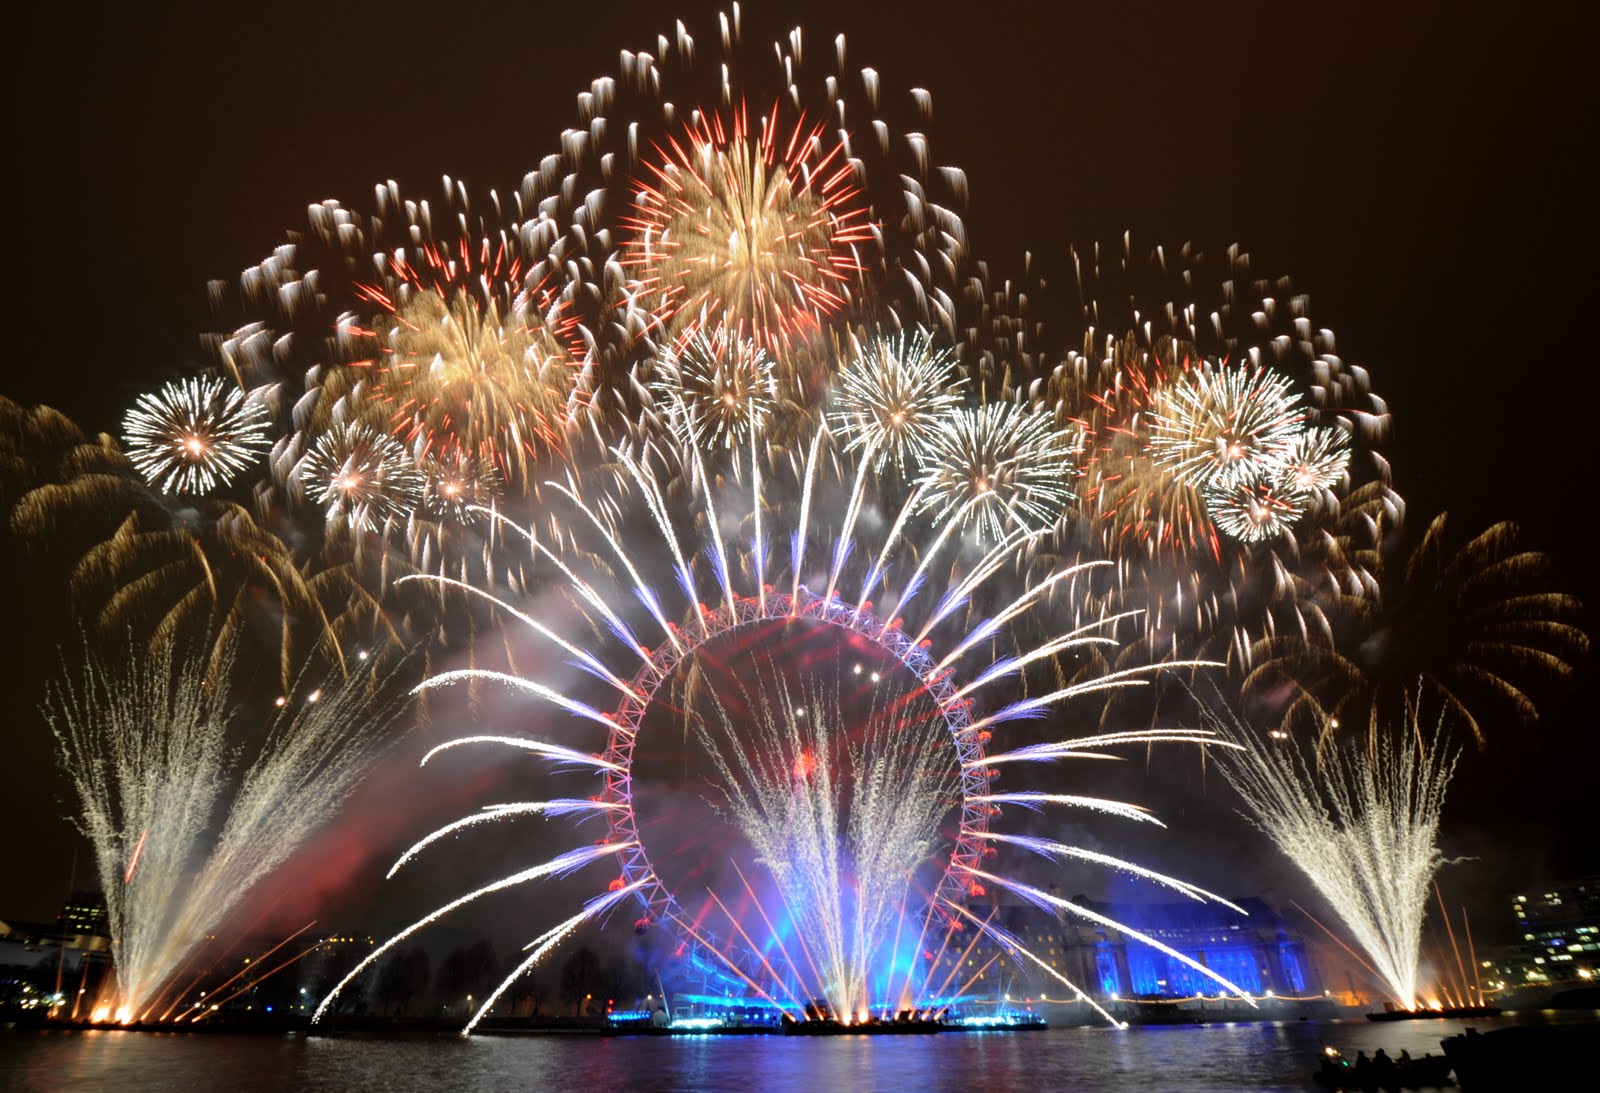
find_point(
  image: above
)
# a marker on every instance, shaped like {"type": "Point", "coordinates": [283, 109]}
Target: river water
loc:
{"type": "Point", "coordinates": [1244, 1056]}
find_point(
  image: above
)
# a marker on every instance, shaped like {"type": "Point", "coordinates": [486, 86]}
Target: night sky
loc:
{"type": "Point", "coordinates": [1420, 172]}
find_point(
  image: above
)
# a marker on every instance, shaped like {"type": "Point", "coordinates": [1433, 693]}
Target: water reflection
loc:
{"type": "Point", "coordinates": [1264, 1056]}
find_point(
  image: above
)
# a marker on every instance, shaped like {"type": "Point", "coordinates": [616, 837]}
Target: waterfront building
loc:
{"type": "Point", "coordinates": [1260, 951]}
{"type": "Point", "coordinates": [1559, 927]}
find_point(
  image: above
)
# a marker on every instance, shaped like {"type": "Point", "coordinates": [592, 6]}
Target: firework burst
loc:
{"type": "Point", "coordinates": [458, 488]}
{"type": "Point", "coordinates": [1475, 627]}
{"type": "Point", "coordinates": [1219, 424]}
{"type": "Point", "coordinates": [756, 227]}
{"type": "Point", "coordinates": [718, 386]}
{"type": "Point", "coordinates": [462, 360]}
{"type": "Point", "coordinates": [893, 397]}
{"type": "Point", "coordinates": [1253, 510]}
{"type": "Point", "coordinates": [363, 478]}
{"type": "Point", "coordinates": [194, 435]}
{"type": "Point", "coordinates": [998, 467]}
{"type": "Point", "coordinates": [1316, 459]}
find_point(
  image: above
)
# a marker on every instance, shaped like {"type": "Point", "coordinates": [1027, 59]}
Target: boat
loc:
{"type": "Point", "coordinates": [1015, 1021]}
{"type": "Point", "coordinates": [820, 1022]}
{"type": "Point", "coordinates": [1395, 1014]}
{"type": "Point", "coordinates": [1524, 1056]}
{"type": "Point", "coordinates": [1382, 1072]}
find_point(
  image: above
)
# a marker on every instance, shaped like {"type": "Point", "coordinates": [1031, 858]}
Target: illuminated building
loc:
{"type": "Point", "coordinates": [1560, 930]}
{"type": "Point", "coordinates": [1260, 951]}
{"type": "Point", "coordinates": [83, 916]}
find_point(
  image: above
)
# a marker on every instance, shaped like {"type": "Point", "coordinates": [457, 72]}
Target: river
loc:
{"type": "Point", "coordinates": [1241, 1056]}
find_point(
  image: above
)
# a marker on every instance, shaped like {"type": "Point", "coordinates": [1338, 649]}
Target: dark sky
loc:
{"type": "Point", "coordinates": [1419, 169]}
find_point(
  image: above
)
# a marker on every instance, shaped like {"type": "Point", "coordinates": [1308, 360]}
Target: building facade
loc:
{"type": "Point", "coordinates": [1257, 951]}
{"type": "Point", "coordinates": [1559, 928]}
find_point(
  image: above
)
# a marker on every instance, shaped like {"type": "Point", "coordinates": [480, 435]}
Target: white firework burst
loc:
{"type": "Point", "coordinates": [719, 387]}
{"type": "Point", "coordinates": [1256, 509]}
{"type": "Point", "coordinates": [1316, 459]}
{"type": "Point", "coordinates": [892, 397]}
{"type": "Point", "coordinates": [194, 435]}
{"type": "Point", "coordinates": [457, 487]}
{"type": "Point", "coordinates": [1218, 425]}
{"type": "Point", "coordinates": [363, 477]}
{"type": "Point", "coordinates": [998, 467]}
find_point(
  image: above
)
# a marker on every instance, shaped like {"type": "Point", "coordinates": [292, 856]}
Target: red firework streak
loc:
{"type": "Point", "coordinates": [133, 862]}
{"type": "Point", "coordinates": [747, 228]}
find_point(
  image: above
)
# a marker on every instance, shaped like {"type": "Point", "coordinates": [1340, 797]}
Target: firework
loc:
{"type": "Point", "coordinates": [1221, 424]}
{"type": "Point", "coordinates": [1316, 459]}
{"type": "Point", "coordinates": [457, 488]}
{"type": "Point", "coordinates": [363, 478]}
{"type": "Point", "coordinates": [1255, 509]}
{"type": "Point", "coordinates": [842, 808]}
{"type": "Point", "coordinates": [841, 826]}
{"type": "Point", "coordinates": [1202, 591]}
{"type": "Point", "coordinates": [215, 570]}
{"type": "Point", "coordinates": [999, 467]}
{"type": "Point", "coordinates": [892, 398]}
{"type": "Point", "coordinates": [1478, 626]}
{"type": "Point", "coordinates": [463, 362]}
{"type": "Point", "coordinates": [147, 745]}
{"type": "Point", "coordinates": [194, 435]}
{"type": "Point", "coordinates": [756, 227]}
{"type": "Point", "coordinates": [1362, 828]}
{"type": "Point", "coordinates": [720, 385]}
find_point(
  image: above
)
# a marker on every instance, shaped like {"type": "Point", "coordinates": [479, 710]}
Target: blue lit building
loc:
{"type": "Point", "coordinates": [1259, 951]}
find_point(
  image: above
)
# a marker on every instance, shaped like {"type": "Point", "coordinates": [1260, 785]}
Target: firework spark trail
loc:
{"type": "Point", "coordinates": [649, 599]}
{"type": "Point", "coordinates": [1049, 848]}
{"type": "Point", "coordinates": [1046, 901]}
{"type": "Point", "coordinates": [463, 675]}
{"type": "Point", "coordinates": [541, 748]}
{"type": "Point", "coordinates": [1083, 746]}
{"type": "Point", "coordinates": [989, 627]}
{"type": "Point", "coordinates": [547, 941]}
{"type": "Point", "coordinates": [1127, 677]}
{"type": "Point", "coordinates": [1015, 946]}
{"type": "Point", "coordinates": [194, 435]}
{"type": "Point", "coordinates": [495, 813]}
{"type": "Point", "coordinates": [755, 947]}
{"type": "Point", "coordinates": [960, 594]}
{"type": "Point", "coordinates": [584, 659]}
{"type": "Point", "coordinates": [1032, 799]}
{"type": "Point", "coordinates": [145, 744]}
{"type": "Point", "coordinates": [559, 866]}
{"type": "Point", "coordinates": [1362, 828]}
